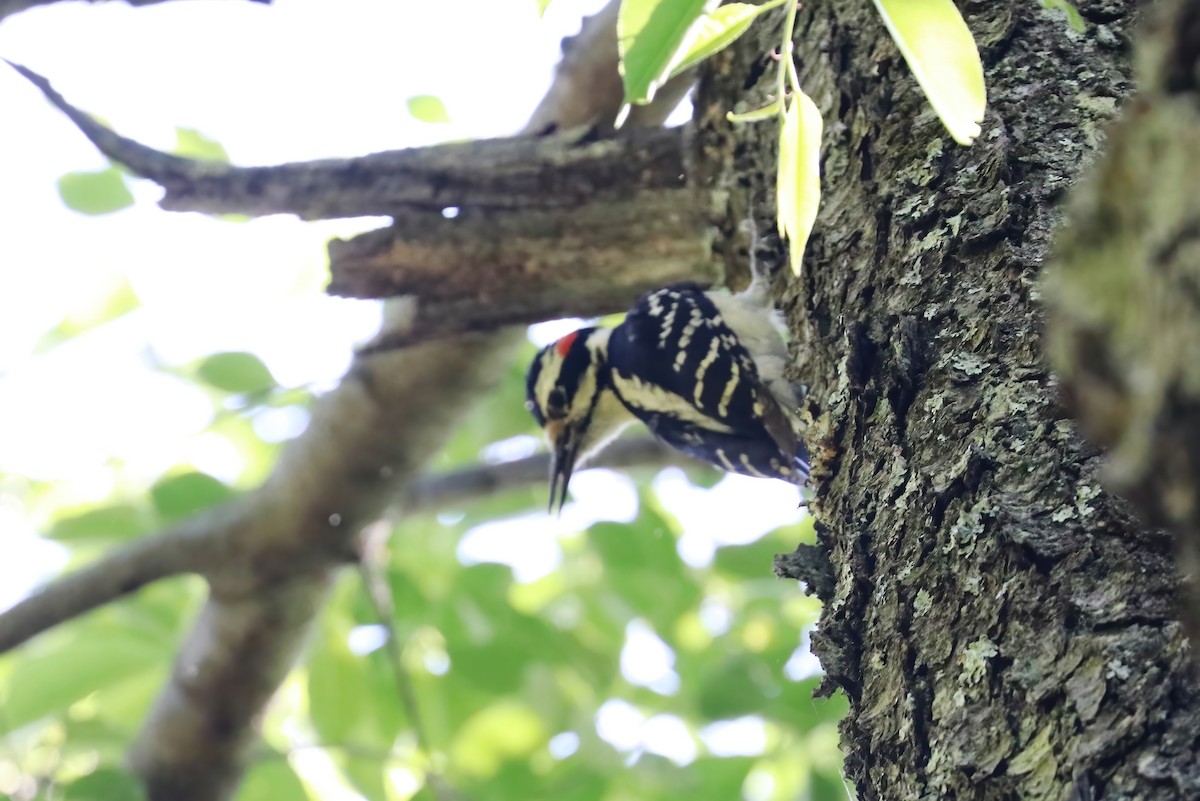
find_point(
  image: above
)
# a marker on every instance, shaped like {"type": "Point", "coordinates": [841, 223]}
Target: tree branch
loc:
{"type": "Point", "coordinates": [548, 227]}
{"type": "Point", "coordinates": [517, 173]}
{"type": "Point", "coordinates": [365, 440]}
{"type": "Point", "coordinates": [196, 545]}
{"type": "Point", "coordinates": [497, 269]}
{"type": "Point", "coordinates": [188, 547]}
{"type": "Point", "coordinates": [10, 7]}
{"type": "Point", "coordinates": [440, 491]}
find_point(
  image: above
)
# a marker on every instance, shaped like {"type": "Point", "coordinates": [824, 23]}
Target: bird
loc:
{"type": "Point", "coordinates": [704, 371]}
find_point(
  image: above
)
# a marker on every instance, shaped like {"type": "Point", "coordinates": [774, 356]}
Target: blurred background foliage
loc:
{"type": "Point", "coordinates": [592, 658]}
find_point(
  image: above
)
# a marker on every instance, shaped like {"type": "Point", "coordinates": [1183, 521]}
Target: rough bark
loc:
{"type": "Point", "coordinates": [1002, 625]}
{"type": "Point", "coordinates": [1125, 323]}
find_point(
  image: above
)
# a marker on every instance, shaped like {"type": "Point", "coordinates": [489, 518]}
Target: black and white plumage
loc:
{"type": "Point", "coordinates": [679, 363]}
{"type": "Point", "coordinates": [703, 371]}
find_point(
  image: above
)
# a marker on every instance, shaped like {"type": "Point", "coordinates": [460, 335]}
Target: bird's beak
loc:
{"type": "Point", "coordinates": [562, 463]}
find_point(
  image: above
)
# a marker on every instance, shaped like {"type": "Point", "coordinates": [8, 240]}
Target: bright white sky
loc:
{"type": "Point", "coordinates": [301, 79]}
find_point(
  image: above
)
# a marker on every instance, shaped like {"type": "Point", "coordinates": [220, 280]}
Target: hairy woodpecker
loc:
{"type": "Point", "coordinates": [703, 371]}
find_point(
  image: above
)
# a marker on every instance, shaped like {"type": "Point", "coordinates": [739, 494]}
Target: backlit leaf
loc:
{"type": "Point", "coordinates": [106, 524]}
{"type": "Point", "coordinates": [369, 776]}
{"type": "Point", "coordinates": [798, 181]}
{"type": "Point", "coordinates": [766, 112]}
{"type": "Point", "coordinates": [192, 144]}
{"type": "Point", "coordinates": [271, 780]}
{"type": "Point", "coordinates": [236, 371]}
{"type": "Point", "coordinates": [650, 35]}
{"type": "Point", "coordinates": [91, 313]}
{"type": "Point", "coordinates": [48, 679]}
{"type": "Point", "coordinates": [428, 108]}
{"type": "Point", "coordinates": [185, 494]}
{"type": "Point", "coordinates": [104, 784]}
{"type": "Point", "coordinates": [94, 193]}
{"type": "Point", "coordinates": [503, 731]}
{"type": "Point", "coordinates": [1074, 18]}
{"type": "Point", "coordinates": [716, 30]}
{"type": "Point", "coordinates": [337, 687]}
{"type": "Point", "coordinates": [943, 57]}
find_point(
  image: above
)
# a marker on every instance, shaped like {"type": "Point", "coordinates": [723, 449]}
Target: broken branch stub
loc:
{"type": "Point", "coordinates": [548, 226]}
{"type": "Point", "coordinates": [483, 270]}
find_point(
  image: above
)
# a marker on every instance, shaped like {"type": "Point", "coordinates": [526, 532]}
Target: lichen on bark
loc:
{"type": "Point", "coordinates": [1002, 625]}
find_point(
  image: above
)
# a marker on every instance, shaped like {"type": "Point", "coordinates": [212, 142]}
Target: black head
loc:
{"type": "Point", "coordinates": [561, 390]}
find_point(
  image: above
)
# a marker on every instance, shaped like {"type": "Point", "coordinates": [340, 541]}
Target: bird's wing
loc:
{"type": "Point", "coordinates": [681, 370]}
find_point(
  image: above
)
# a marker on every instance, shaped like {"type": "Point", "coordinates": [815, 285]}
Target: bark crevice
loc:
{"type": "Point", "coordinates": [1003, 625]}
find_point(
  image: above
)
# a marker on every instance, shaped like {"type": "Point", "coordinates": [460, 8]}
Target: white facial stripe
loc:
{"type": "Point", "coordinates": [582, 402]}
{"type": "Point", "coordinates": [589, 385]}
{"type": "Point", "coordinates": [551, 368]}
{"type": "Point", "coordinates": [652, 398]}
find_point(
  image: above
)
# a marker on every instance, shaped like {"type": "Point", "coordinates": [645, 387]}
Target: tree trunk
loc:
{"type": "Point", "coordinates": [1002, 625]}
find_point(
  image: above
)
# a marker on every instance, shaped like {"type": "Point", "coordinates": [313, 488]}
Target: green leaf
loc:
{"type": "Point", "coordinates": [740, 684]}
{"type": "Point", "coordinates": [746, 562]}
{"type": "Point", "coordinates": [713, 777]}
{"type": "Point", "coordinates": [943, 57]}
{"type": "Point", "coordinates": [542, 5]}
{"type": "Point", "coordinates": [718, 29]}
{"type": "Point", "coordinates": [272, 780]}
{"type": "Point", "coordinates": [642, 567]}
{"type": "Point", "coordinates": [52, 677]}
{"type": "Point", "coordinates": [428, 108]}
{"type": "Point", "coordinates": [768, 111]}
{"type": "Point", "coordinates": [192, 144]}
{"type": "Point", "coordinates": [106, 524]}
{"type": "Point", "coordinates": [1074, 18]}
{"type": "Point", "coordinates": [337, 688]}
{"type": "Point", "coordinates": [798, 181]}
{"type": "Point", "coordinates": [505, 730]}
{"type": "Point", "coordinates": [827, 786]}
{"type": "Point", "coordinates": [105, 784]}
{"type": "Point", "coordinates": [236, 371]}
{"type": "Point", "coordinates": [368, 776]}
{"type": "Point", "coordinates": [94, 193]}
{"type": "Point", "coordinates": [90, 314]}
{"type": "Point", "coordinates": [181, 495]}
{"type": "Point", "coordinates": [650, 35]}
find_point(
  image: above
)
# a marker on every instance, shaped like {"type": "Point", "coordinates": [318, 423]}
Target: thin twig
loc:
{"type": "Point", "coordinates": [379, 594]}
{"type": "Point", "coordinates": [9, 7]}
{"type": "Point", "coordinates": [443, 490]}
{"type": "Point", "coordinates": [194, 544]}
{"type": "Point", "coordinates": [186, 547]}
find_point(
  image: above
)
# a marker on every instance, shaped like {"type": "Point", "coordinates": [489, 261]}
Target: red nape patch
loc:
{"type": "Point", "coordinates": [563, 345]}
